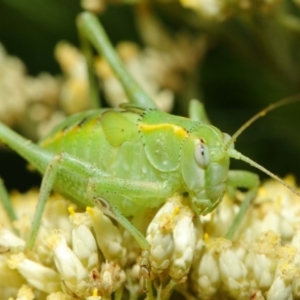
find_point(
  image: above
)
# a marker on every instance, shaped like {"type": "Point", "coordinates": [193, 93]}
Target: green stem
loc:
{"type": "Point", "coordinates": [87, 51]}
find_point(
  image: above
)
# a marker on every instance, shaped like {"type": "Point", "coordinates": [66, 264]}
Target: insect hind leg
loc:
{"type": "Point", "coordinates": [45, 190]}
{"type": "Point", "coordinates": [7, 205]}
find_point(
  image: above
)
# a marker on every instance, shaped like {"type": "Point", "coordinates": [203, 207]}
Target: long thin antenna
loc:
{"type": "Point", "coordinates": [237, 155]}
{"type": "Point", "coordinates": [288, 100]}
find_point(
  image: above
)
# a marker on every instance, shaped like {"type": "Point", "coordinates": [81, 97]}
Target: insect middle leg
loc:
{"type": "Point", "coordinates": [86, 184]}
{"type": "Point", "coordinates": [7, 205]}
{"type": "Point", "coordinates": [45, 190]}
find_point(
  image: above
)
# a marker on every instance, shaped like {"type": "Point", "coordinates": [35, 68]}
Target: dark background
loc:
{"type": "Point", "coordinates": [249, 65]}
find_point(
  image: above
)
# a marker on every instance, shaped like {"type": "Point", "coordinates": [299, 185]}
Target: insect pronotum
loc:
{"type": "Point", "coordinates": [130, 159]}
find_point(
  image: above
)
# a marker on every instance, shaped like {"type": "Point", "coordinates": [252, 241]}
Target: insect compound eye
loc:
{"type": "Point", "coordinates": [202, 154]}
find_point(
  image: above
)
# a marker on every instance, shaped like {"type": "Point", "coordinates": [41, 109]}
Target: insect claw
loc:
{"type": "Point", "coordinates": [201, 206]}
{"type": "Point", "coordinates": [145, 264]}
{"type": "Point", "coordinates": [145, 272]}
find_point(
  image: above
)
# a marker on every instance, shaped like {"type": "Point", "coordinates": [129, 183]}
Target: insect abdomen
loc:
{"type": "Point", "coordinates": [109, 140]}
{"type": "Point", "coordinates": [96, 137]}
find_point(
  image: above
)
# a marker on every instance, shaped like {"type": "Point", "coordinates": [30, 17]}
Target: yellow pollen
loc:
{"type": "Point", "coordinates": [279, 200]}
{"type": "Point", "coordinates": [95, 292]}
{"type": "Point", "coordinates": [290, 179]}
{"type": "Point", "coordinates": [71, 210]}
{"type": "Point", "coordinates": [176, 211]}
{"type": "Point", "coordinates": [262, 191]}
{"type": "Point", "coordinates": [89, 210]}
{"type": "Point", "coordinates": [206, 237]}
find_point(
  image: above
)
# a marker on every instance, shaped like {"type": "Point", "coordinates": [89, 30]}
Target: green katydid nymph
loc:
{"type": "Point", "coordinates": [133, 158]}
{"type": "Point", "coordinates": [130, 159]}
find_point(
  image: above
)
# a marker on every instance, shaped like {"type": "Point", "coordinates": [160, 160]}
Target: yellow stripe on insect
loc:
{"type": "Point", "coordinates": [179, 131]}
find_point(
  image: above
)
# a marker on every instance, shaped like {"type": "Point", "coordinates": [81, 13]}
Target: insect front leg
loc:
{"type": "Point", "coordinates": [45, 190]}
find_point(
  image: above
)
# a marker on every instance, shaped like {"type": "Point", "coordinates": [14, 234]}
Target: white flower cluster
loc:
{"type": "Point", "coordinates": [208, 10]}
{"type": "Point", "coordinates": [263, 261]}
{"type": "Point", "coordinates": [172, 236]}
{"type": "Point", "coordinates": [43, 101]}
{"type": "Point", "coordinates": [25, 100]}
{"type": "Point", "coordinates": [142, 70]}
{"type": "Point", "coordinates": [221, 10]}
{"type": "Point", "coordinates": [85, 255]}
{"type": "Point", "coordinates": [65, 262]}
{"type": "Point", "coordinates": [74, 93]}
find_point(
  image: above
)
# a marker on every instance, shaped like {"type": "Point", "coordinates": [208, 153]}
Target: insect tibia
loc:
{"type": "Point", "coordinates": [36, 156]}
{"type": "Point", "coordinates": [237, 155]}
